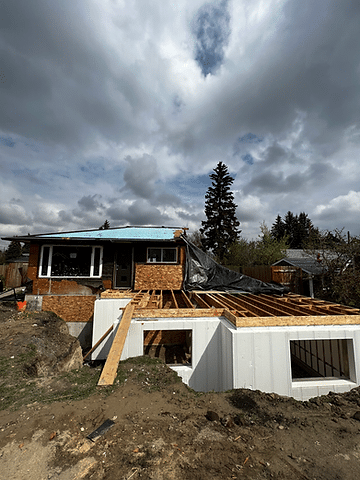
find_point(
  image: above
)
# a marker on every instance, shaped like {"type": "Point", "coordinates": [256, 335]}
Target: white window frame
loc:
{"type": "Point", "coordinates": [92, 265]}
{"type": "Point", "coordinates": [162, 249]}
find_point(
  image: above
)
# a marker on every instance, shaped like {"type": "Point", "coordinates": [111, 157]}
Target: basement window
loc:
{"type": "Point", "coordinates": [172, 346]}
{"type": "Point", "coordinates": [70, 261]}
{"type": "Point", "coordinates": [322, 359]}
{"type": "Point", "coordinates": [162, 255]}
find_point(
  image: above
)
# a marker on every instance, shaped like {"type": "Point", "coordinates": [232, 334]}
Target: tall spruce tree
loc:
{"type": "Point", "coordinates": [221, 229]}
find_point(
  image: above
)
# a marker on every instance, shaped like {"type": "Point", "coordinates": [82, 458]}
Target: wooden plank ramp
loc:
{"type": "Point", "coordinates": [108, 374]}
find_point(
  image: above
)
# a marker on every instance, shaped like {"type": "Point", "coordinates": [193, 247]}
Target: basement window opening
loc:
{"type": "Point", "coordinates": [162, 255]}
{"type": "Point", "coordinates": [322, 359]}
{"type": "Point", "coordinates": [70, 261]}
{"type": "Point", "coordinates": [174, 347]}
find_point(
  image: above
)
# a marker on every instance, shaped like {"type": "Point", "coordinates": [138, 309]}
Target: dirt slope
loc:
{"type": "Point", "coordinates": [162, 429]}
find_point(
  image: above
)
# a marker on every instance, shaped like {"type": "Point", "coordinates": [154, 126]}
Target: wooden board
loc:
{"type": "Point", "coordinates": [178, 312]}
{"type": "Point", "coordinates": [110, 368]}
{"type": "Point", "coordinates": [291, 321]}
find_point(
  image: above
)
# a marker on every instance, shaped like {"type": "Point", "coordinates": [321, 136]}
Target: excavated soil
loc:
{"type": "Point", "coordinates": [161, 429]}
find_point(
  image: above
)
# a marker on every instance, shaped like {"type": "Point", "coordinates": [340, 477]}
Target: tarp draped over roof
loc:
{"type": "Point", "coordinates": [203, 273]}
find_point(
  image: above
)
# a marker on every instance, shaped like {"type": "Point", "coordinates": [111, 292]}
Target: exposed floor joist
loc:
{"type": "Point", "coordinates": [241, 309]}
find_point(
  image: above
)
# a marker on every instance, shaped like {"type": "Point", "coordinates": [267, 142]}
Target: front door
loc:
{"type": "Point", "coordinates": [123, 267]}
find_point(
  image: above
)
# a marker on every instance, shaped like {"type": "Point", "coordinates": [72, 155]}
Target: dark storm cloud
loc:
{"type": "Point", "coordinates": [10, 214]}
{"type": "Point", "coordinates": [308, 68]}
{"type": "Point", "coordinates": [140, 176]}
{"type": "Point", "coordinates": [309, 181]}
{"type": "Point", "coordinates": [211, 28]}
{"type": "Point", "coordinates": [90, 202]}
{"type": "Point", "coordinates": [59, 84]}
{"type": "Point", "coordinates": [190, 217]}
{"type": "Point", "coordinates": [139, 212]}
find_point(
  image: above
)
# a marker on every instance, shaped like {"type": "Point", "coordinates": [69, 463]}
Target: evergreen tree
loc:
{"type": "Point", "coordinates": [278, 229]}
{"type": "Point", "coordinates": [220, 230]}
{"type": "Point", "coordinates": [13, 251]}
{"type": "Point", "coordinates": [298, 229]}
{"type": "Point", "coordinates": [105, 225]}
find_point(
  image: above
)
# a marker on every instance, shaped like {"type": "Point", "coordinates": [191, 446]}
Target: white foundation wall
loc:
{"type": "Point", "coordinates": [224, 357]}
{"type": "Point", "coordinates": [207, 366]}
{"type": "Point", "coordinates": [107, 312]}
{"type": "Point", "coordinates": [262, 359]}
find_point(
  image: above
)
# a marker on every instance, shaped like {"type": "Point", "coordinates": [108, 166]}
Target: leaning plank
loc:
{"type": "Point", "coordinates": [110, 368]}
{"type": "Point", "coordinates": [99, 341]}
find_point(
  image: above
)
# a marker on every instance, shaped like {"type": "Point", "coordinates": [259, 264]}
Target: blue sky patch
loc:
{"type": "Point", "coordinates": [248, 158]}
{"type": "Point", "coordinates": [211, 28]}
{"type": "Point", "coordinates": [250, 138]}
{"type": "Point", "coordinates": [7, 141]}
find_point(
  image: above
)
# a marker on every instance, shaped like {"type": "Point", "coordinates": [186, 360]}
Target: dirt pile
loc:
{"type": "Point", "coordinates": [163, 430]}
{"type": "Point", "coordinates": [45, 334]}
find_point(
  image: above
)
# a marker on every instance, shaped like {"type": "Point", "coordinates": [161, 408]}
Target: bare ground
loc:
{"type": "Point", "coordinates": [162, 429]}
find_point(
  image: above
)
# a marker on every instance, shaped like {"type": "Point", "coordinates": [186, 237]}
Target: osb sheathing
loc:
{"type": "Point", "coordinates": [70, 308]}
{"type": "Point", "coordinates": [45, 286]}
{"type": "Point", "coordinates": [158, 277]}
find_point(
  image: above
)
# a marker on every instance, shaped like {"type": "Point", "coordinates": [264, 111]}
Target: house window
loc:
{"type": "Point", "coordinates": [162, 255]}
{"type": "Point", "coordinates": [321, 358]}
{"type": "Point", "coordinates": [70, 261]}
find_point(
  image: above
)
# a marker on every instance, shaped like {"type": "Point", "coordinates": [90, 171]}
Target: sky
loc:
{"type": "Point", "coordinates": [120, 110]}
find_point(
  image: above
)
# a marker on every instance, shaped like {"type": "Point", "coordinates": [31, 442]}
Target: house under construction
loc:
{"type": "Point", "coordinates": [141, 290]}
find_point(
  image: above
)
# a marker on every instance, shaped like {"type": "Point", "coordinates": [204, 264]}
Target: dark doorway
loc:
{"type": "Point", "coordinates": [123, 267]}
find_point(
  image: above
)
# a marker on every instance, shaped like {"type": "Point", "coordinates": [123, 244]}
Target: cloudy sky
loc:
{"type": "Point", "coordinates": [120, 110]}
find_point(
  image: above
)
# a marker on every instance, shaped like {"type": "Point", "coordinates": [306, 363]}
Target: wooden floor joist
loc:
{"type": "Point", "coordinates": [108, 374]}
{"type": "Point", "coordinates": [243, 310]}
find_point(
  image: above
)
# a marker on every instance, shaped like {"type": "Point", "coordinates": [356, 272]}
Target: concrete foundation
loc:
{"type": "Point", "coordinates": [225, 357]}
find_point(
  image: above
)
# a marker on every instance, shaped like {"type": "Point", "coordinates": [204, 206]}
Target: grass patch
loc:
{"type": "Point", "coordinates": [18, 389]}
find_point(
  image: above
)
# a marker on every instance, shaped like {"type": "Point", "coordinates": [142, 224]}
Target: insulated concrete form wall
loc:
{"type": "Point", "coordinates": [225, 357]}
{"type": "Point", "coordinates": [262, 360]}
{"type": "Point", "coordinates": [107, 313]}
{"type": "Point", "coordinates": [205, 372]}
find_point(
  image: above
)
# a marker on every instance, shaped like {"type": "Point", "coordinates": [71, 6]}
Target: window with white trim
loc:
{"type": "Point", "coordinates": [70, 261]}
{"type": "Point", "coordinates": [162, 255]}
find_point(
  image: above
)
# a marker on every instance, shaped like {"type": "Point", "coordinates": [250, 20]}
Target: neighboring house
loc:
{"type": "Point", "coordinates": [298, 271]}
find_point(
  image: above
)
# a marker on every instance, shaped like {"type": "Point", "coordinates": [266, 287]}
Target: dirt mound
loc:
{"type": "Point", "coordinates": [43, 334]}
{"type": "Point", "coordinates": [161, 429]}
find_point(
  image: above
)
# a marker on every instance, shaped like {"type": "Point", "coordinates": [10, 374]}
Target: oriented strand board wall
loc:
{"type": "Point", "coordinates": [158, 277]}
{"type": "Point", "coordinates": [70, 308]}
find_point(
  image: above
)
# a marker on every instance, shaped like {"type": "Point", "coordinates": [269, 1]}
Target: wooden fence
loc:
{"type": "Point", "coordinates": [260, 272]}
{"type": "Point", "coordinates": [14, 274]}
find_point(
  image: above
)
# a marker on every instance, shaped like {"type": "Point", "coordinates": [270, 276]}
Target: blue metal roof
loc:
{"type": "Point", "coordinates": [122, 233]}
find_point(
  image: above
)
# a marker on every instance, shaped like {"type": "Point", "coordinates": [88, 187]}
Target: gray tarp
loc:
{"type": "Point", "coordinates": [203, 273]}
